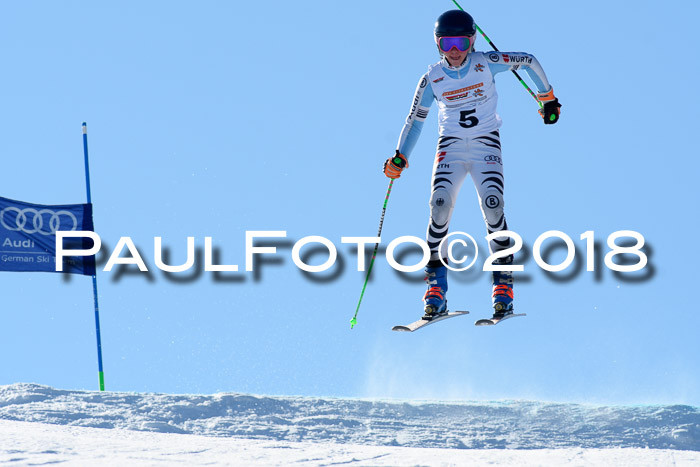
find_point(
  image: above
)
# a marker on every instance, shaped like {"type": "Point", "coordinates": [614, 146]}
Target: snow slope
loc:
{"type": "Point", "coordinates": [39, 424]}
{"type": "Point", "coordinates": [35, 443]}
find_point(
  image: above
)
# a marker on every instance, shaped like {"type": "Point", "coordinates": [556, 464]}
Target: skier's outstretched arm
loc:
{"type": "Point", "coordinates": [504, 61]}
{"type": "Point", "coordinates": [420, 106]}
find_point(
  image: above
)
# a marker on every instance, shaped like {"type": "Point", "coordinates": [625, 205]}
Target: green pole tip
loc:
{"type": "Point", "coordinates": [353, 322]}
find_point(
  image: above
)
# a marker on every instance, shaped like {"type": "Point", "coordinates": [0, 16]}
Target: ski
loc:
{"type": "Point", "coordinates": [421, 323]}
{"type": "Point", "coordinates": [493, 322]}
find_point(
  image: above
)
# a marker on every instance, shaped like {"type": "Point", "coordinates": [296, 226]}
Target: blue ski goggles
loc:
{"type": "Point", "coordinates": [463, 43]}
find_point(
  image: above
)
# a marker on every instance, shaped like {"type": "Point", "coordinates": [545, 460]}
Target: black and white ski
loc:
{"type": "Point", "coordinates": [495, 321]}
{"type": "Point", "coordinates": [421, 323]}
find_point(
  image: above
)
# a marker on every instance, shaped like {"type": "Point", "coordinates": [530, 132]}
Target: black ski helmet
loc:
{"type": "Point", "coordinates": [455, 23]}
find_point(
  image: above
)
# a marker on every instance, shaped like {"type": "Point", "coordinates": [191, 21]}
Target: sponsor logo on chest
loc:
{"type": "Point", "coordinates": [463, 92]}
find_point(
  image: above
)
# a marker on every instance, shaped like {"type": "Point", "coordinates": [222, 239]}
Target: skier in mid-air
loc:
{"type": "Point", "coordinates": [462, 83]}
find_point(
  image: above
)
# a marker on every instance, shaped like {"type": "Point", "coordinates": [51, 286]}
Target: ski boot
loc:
{"type": "Point", "coordinates": [434, 299]}
{"type": "Point", "coordinates": [503, 290]}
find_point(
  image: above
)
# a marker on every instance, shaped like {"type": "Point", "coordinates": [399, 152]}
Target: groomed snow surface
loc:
{"type": "Point", "coordinates": [41, 425]}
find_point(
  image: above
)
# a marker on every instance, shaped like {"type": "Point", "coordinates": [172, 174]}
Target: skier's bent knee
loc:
{"type": "Point", "coordinates": [441, 205]}
{"type": "Point", "coordinates": [493, 202]}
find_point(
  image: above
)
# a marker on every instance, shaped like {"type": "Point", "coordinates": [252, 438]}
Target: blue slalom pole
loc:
{"type": "Point", "coordinates": [94, 276]}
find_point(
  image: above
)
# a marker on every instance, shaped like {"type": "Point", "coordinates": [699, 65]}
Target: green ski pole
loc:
{"type": "Point", "coordinates": [353, 321]}
{"type": "Point", "coordinates": [534, 96]}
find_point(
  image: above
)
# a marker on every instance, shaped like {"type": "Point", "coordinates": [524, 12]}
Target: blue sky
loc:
{"type": "Point", "coordinates": [215, 118]}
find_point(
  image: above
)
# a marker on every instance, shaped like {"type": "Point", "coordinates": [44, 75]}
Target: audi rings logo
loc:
{"type": "Point", "coordinates": [41, 221]}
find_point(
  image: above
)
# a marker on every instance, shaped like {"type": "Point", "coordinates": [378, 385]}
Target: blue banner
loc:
{"type": "Point", "coordinates": [28, 236]}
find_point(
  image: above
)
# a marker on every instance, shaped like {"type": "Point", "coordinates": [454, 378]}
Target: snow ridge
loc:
{"type": "Point", "coordinates": [464, 425]}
